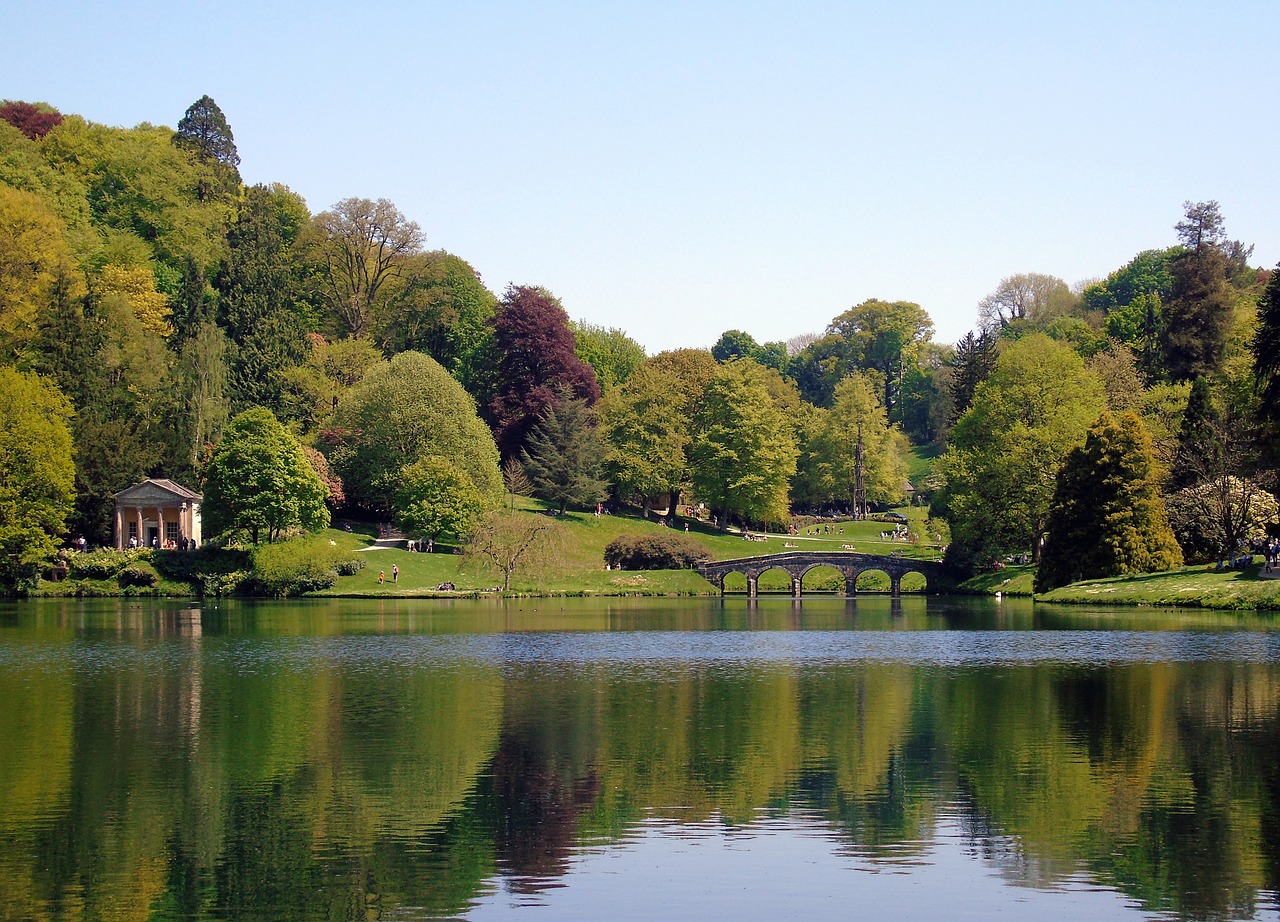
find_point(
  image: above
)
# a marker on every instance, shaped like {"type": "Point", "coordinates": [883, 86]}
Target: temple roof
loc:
{"type": "Point", "coordinates": [152, 492]}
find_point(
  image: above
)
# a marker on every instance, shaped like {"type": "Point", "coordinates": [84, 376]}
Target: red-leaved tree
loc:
{"type": "Point", "coordinates": [537, 364]}
{"type": "Point", "coordinates": [34, 122]}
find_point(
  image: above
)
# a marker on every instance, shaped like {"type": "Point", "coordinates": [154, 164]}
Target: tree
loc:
{"type": "Point", "coordinates": [859, 455]}
{"type": "Point", "coordinates": [1001, 467]}
{"type": "Point", "coordinates": [401, 411]}
{"type": "Point", "coordinates": [136, 285]}
{"type": "Point", "coordinates": [537, 363]}
{"type": "Point", "coordinates": [744, 451]}
{"type": "Point", "coordinates": [436, 499]}
{"type": "Point", "coordinates": [1107, 517]}
{"type": "Point", "coordinates": [442, 309]}
{"type": "Point", "coordinates": [37, 475]}
{"type": "Point", "coordinates": [515, 481]}
{"type": "Point", "coordinates": [204, 131]}
{"type": "Point", "coordinates": [260, 305]}
{"type": "Point", "coordinates": [611, 353]}
{"type": "Point", "coordinates": [971, 365]}
{"type": "Point", "coordinates": [35, 121]}
{"type": "Point", "coordinates": [361, 249]}
{"type": "Point", "coordinates": [647, 426]}
{"type": "Point", "coordinates": [734, 344]}
{"type": "Point", "coordinates": [1266, 350]}
{"type": "Point", "coordinates": [564, 456]}
{"type": "Point", "coordinates": [1217, 517]}
{"type": "Point", "coordinates": [33, 256]}
{"type": "Point", "coordinates": [1030, 296]}
{"type": "Point", "coordinates": [258, 481]}
{"type": "Point", "coordinates": [883, 336]}
{"type": "Point", "coordinates": [504, 541]}
{"type": "Point", "coordinates": [1200, 308]}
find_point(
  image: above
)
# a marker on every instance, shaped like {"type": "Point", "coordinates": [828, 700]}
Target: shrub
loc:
{"type": "Point", "coordinates": [293, 567]}
{"type": "Point", "coordinates": [349, 567]}
{"type": "Point", "coordinates": [194, 566]}
{"type": "Point", "coordinates": [138, 575]}
{"type": "Point", "coordinates": [656, 552]}
{"type": "Point", "coordinates": [100, 564]}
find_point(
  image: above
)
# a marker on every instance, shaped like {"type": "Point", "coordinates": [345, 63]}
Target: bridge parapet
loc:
{"type": "Point", "coordinates": [849, 563]}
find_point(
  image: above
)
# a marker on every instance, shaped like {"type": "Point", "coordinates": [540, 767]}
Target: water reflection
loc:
{"type": "Point", "coordinates": [408, 759]}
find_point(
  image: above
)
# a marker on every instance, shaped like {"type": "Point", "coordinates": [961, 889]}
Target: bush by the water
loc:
{"type": "Point", "coordinates": [349, 567]}
{"type": "Point", "coordinates": [105, 563]}
{"type": "Point", "coordinates": [139, 575]}
{"type": "Point", "coordinates": [293, 567]}
{"type": "Point", "coordinates": [666, 551]}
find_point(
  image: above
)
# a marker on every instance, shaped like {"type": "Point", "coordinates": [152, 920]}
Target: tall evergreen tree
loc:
{"type": "Point", "coordinates": [1199, 310]}
{"type": "Point", "coordinates": [204, 131]}
{"type": "Point", "coordinates": [975, 357]}
{"type": "Point", "coordinates": [1107, 516]}
{"type": "Point", "coordinates": [259, 305]}
{"type": "Point", "coordinates": [1266, 350]}
{"type": "Point", "coordinates": [564, 457]}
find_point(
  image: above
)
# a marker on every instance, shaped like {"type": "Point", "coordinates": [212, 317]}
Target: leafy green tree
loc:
{"type": "Point", "coordinates": [744, 451]}
{"type": "Point", "coordinates": [861, 457]}
{"type": "Point", "coordinates": [401, 411]}
{"type": "Point", "coordinates": [1005, 450]}
{"type": "Point", "coordinates": [258, 481]}
{"type": "Point", "coordinates": [361, 250]}
{"type": "Point", "coordinates": [1218, 516]}
{"type": "Point", "coordinates": [734, 344]}
{"type": "Point", "coordinates": [37, 475]}
{"type": "Point", "coordinates": [1107, 517]}
{"type": "Point", "coordinates": [885, 337]}
{"type": "Point", "coordinates": [817, 367]}
{"type": "Point", "coordinates": [33, 257]}
{"type": "Point", "coordinates": [443, 309]}
{"type": "Point", "coordinates": [610, 352]}
{"type": "Point", "coordinates": [647, 428]}
{"type": "Point", "coordinates": [436, 499]}
{"type": "Point", "coordinates": [564, 455]}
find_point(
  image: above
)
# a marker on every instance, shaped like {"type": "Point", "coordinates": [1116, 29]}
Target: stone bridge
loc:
{"type": "Point", "coordinates": [850, 564]}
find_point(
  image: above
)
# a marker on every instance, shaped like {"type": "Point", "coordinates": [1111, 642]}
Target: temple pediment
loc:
{"type": "Point", "coordinates": [157, 493]}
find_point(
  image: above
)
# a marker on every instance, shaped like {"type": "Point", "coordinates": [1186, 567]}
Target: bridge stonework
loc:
{"type": "Point", "coordinates": [850, 564]}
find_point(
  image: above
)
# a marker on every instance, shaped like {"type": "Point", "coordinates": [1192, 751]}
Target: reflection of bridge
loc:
{"type": "Point", "coordinates": [798, 563]}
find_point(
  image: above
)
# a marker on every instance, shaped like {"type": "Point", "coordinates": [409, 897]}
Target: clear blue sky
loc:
{"type": "Point", "coordinates": [679, 169]}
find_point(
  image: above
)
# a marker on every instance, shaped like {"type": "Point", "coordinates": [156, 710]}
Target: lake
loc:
{"type": "Point", "coordinates": [624, 759]}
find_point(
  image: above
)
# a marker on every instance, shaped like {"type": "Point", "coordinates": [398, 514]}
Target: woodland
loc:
{"type": "Point", "coordinates": [159, 317]}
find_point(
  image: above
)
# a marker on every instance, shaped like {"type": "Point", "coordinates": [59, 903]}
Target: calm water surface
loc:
{"type": "Point", "coordinates": [626, 759]}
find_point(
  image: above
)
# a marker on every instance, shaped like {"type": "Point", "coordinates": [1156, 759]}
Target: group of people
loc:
{"type": "Point", "coordinates": [1271, 553]}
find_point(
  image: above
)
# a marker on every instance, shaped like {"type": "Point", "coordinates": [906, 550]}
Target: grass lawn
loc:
{"type": "Point", "coordinates": [579, 569]}
{"type": "Point", "coordinates": [1197, 586]}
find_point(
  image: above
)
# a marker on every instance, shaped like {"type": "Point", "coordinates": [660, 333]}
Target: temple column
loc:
{"type": "Point", "coordinates": [159, 526]}
{"type": "Point", "coordinates": [142, 531]}
{"type": "Point", "coordinates": [119, 529]}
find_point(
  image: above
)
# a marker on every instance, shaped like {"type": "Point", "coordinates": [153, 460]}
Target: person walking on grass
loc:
{"type": "Point", "coordinates": [395, 573]}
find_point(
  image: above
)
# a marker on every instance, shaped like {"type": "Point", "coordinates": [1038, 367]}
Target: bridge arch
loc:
{"type": "Point", "coordinates": [850, 565]}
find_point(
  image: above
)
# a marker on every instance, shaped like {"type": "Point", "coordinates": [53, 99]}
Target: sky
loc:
{"type": "Point", "coordinates": [676, 170]}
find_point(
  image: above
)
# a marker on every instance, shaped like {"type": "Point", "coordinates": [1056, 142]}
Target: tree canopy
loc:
{"type": "Point", "coordinates": [1107, 517]}
{"type": "Point", "coordinates": [259, 482]}
{"type": "Point", "coordinates": [37, 475]}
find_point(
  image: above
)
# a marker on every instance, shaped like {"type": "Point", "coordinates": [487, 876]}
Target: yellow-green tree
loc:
{"type": "Point", "coordinates": [1107, 516]}
{"type": "Point", "coordinates": [37, 475]}
{"type": "Point", "coordinates": [745, 451]}
{"type": "Point", "coordinates": [33, 255]}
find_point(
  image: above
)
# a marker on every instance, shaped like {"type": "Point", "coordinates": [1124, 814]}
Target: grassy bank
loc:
{"type": "Point", "coordinates": [579, 569]}
{"type": "Point", "coordinates": [1192, 587]}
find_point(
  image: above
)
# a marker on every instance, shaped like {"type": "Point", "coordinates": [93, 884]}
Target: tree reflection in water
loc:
{"type": "Point", "coordinates": [314, 768]}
